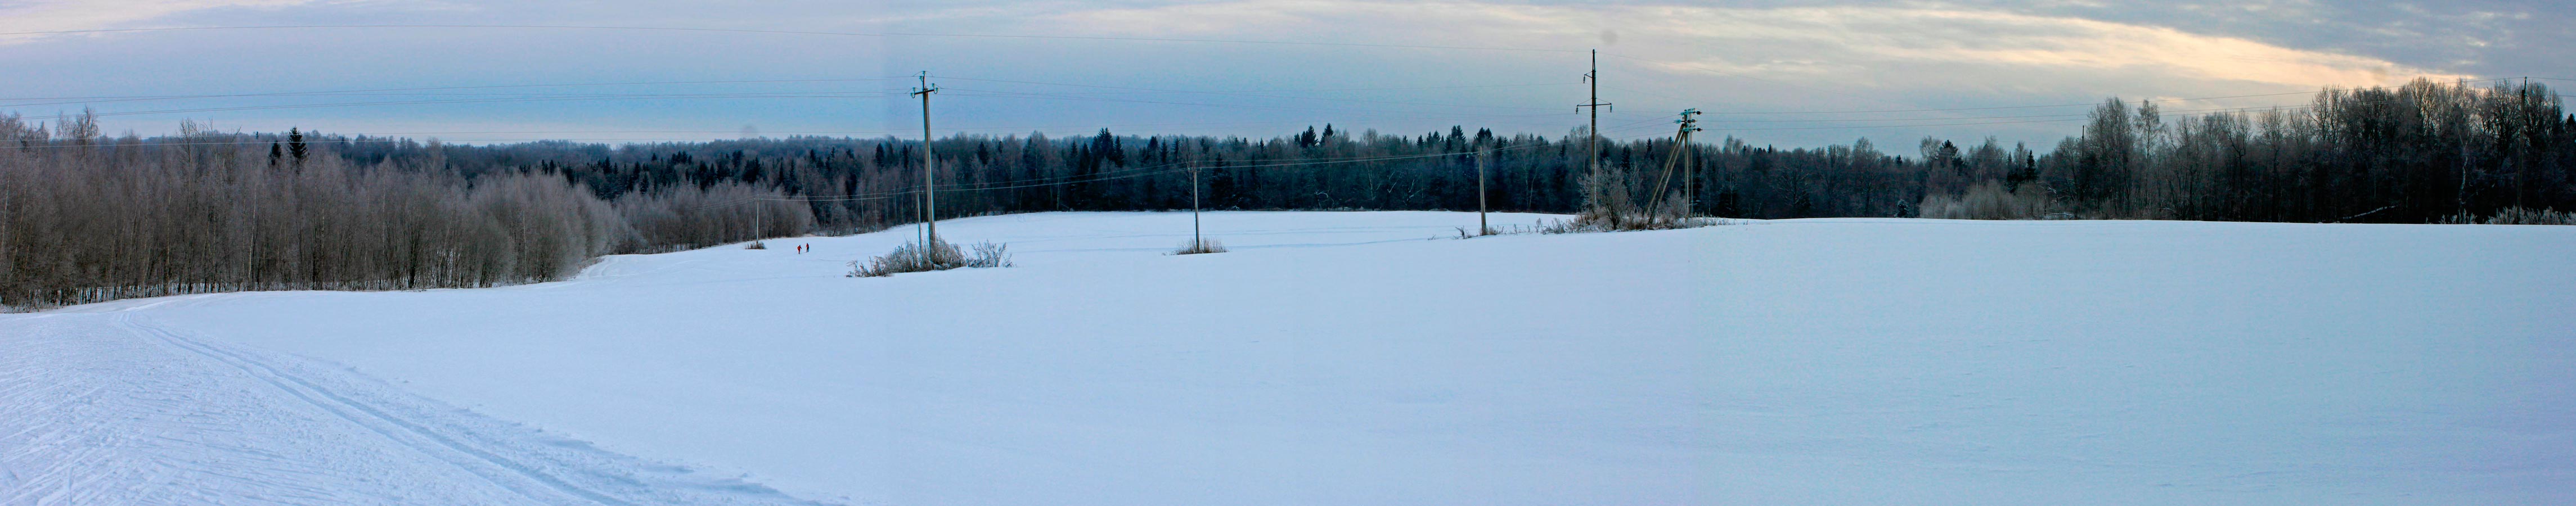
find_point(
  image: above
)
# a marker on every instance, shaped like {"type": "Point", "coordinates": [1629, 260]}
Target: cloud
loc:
{"type": "Point", "coordinates": [57, 15]}
{"type": "Point", "coordinates": [1847, 43]}
{"type": "Point", "coordinates": [1762, 56]}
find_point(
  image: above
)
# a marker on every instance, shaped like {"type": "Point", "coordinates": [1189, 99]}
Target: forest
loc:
{"type": "Point", "coordinates": [86, 217]}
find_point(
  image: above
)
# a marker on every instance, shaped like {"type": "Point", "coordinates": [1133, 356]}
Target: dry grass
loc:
{"type": "Point", "coordinates": [1200, 246]}
{"type": "Point", "coordinates": [940, 256]}
{"type": "Point", "coordinates": [1582, 226]}
{"type": "Point", "coordinates": [1600, 221]}
{"type": "Point", "coordinates": [2518, 216]}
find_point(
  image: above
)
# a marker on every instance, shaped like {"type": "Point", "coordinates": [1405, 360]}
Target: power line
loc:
{"type": "Point", "coordinates": [2037, 106]}
{"type": "Point", "coordinates": [1373, 112]}
{"type": "Point", "coordinates": [1617, 128]}
{"type": "Point", "coordinates": [1633, 126]}
{"type": "Point", "coordinates": [1246, 94]}
{"type": "Point", "coordinates": [1878, 111]}
{"type": "Point", "coordinates": [1293, 90]}
{"type": "Point", "coordinates": [2183, 113]}
{"type": "Point", "coordinates": [2073, 117]}
{"type": "Point", "coordinates": [114, 143]}
{"type": "Point", "coordinates": [690, 95]}
{"type": "Point", "coordinates": [1186, 166]}
{"type": "Point", "coordinates": [1128, 173]}
{"type": "Point", "coordinates": [435, 88]}
{"type": "Point", "coordinates": [2233, 109]}
{"type": "Point", "coordinates": [1741, 76]}
{"type": "Point", "coordinates": [1648, 93]}
{"type": "Point", "coordinates": [1889, 126]}
{"type": "Point", "coordinates": [1228, 123]}
{"type": "Point", "coordinates": [1656, 119]}
{"type": "Point", "coordinates": [489, 100]}
{"type": "Point", "coordinates": [836, 132]}
{"type": "Point", "coordinates": [795, 32]}
{"type": "Point", "coordinates": [869, 133]}
{"type": "Point", "coordinates": [1050, 96]}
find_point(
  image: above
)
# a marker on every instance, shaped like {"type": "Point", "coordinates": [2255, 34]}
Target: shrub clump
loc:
{"type": "Point", "coordinates": [1588, 222]}
{"type": "Point", "coordinates": [939, 256]}
{"type": "Point", "coordinates": [1613, 202]}
{"type": "Point", "coordinates": [1200, 246]}
{"type": "Point", "coordinates": [1594, 221]}
{"type": "Point", "coordinates": [1989, 201]}
{"type": "Point", "coordinates": [2521, 216]}
{"type": "Point", "coordinates": [756, 245]}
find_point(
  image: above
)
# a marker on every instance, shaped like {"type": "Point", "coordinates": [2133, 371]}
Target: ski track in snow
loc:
{"type": "Point", "coordinates": [108, 408]}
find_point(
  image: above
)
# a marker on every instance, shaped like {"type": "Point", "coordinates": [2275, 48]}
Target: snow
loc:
{"type": "Point", "coordinates": [1372, 358]}
{"type": "Point", "coordinates": [107, 408]}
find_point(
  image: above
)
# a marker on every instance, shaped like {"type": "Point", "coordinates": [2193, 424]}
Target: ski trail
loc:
{"type": "Point", "coordinates": [110, 408]}
{"type": "Point", "coordinates": [89, 415]}
{"type": "Point", "coordinates": [499, 470]}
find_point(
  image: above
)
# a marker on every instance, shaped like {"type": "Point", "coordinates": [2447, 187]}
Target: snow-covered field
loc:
{"type": "Point", "coordinates": [1353, 358]}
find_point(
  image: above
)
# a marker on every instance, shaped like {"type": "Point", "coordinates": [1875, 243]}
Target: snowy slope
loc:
{"type": "Point", "coordinates": [1348, 358]}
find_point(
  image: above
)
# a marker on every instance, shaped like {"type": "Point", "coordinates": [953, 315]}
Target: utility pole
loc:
{"type": "Point", "coordinates": [1690, 123]}
{"type": "Point", "coordinates": [1482, 228]}
{"type": "Point", "coordinates": [1679, 156]}
{"type": "Point", "coordinates": [1196, 243]}
{"type": "Point", "coordinates": [1592, 142]}
{"type": "Point", "coordinates": [929, 175]}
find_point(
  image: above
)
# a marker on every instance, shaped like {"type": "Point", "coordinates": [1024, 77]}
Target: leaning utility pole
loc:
{"type": "Point", "coordinates": [929, 178]}
{"type": "Point", "coordinates": [1592, 142]}
{"type": "Point", "coordinates": [1690, 123]}
{"type": "Point", "coordinates": [1672, 159]}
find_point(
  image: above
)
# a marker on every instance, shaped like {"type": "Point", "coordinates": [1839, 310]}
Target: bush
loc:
{"type": "Point", "coordinates": [1612, 202]}
{"type": "Point", "coordinates": [2520, 216]}
{"type": "Point", "coordinates": [939, 256]}
{"type": "Point", "coordinates": [1989, 201]}
{"type": "Point", "coordinates": [1200, 246]}
{"type": "Point", "coordinates": [757, 245]}
{"type": "Point", "coordinates": [1585, 223]}
{"type": "Point", "coordinates": [1592, 221]}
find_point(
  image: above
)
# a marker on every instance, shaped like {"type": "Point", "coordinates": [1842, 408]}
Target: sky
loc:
{"type": "Point", "coordinates": [1769, 72]}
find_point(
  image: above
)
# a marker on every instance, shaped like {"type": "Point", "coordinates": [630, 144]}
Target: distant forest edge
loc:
{"type": "Point", "coordinates": [86, 218]}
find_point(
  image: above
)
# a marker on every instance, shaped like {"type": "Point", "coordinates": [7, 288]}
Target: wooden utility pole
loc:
{"type": "Point", "coordinates": [929, 175]}
{"type": "Point", "coordinates": [1482, 228]}
{"type": "Point", "coordinates": [1195, 242]}
{"type": "Point", "coordinates": [1592, 141]}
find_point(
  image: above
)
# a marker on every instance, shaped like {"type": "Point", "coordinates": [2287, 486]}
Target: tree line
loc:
{"type": "Point", "coordinates": [84, 217]}
{"type": "Point", "coordinates": [2412, 154]}
{"type": "Point", "coordinates": [2416, 153]}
